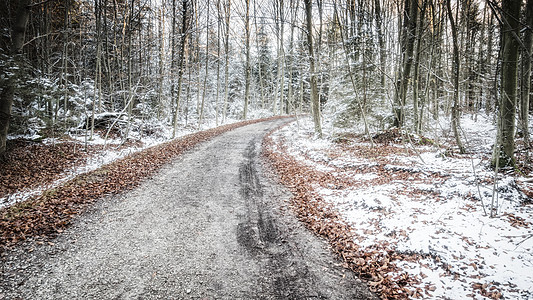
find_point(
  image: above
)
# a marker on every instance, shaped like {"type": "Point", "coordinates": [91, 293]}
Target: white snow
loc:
{"type": "Point", "coordinates": [436, 211]}
{"type": "Point", "coordinates": [109, 154]}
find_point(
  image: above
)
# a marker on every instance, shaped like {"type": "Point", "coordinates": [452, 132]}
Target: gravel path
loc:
{"type": "Point", "coordinates": [208, 226]}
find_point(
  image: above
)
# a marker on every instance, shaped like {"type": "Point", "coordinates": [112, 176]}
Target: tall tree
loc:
{"type": "Point", "coordinates": [455, 68]}
{"type": "Point", "coordinates": [525, 84]}
{"type": "Point", "coordinates": [407, 44]}
{"type": "Point", "coordinates": [315, 105]}
{"type": "Point", "coordinates": [227, 18]}
{"type": "Point", "coordinates": [280, 32]}
{"type": "Point", "coordinates": [378, 16]}
{"type": "Point", "coordinates": [201, 115]}
{"type": "Point", "coordinates": [181, 57]}
{"type": "Point", "coordinates": [248, 66]}
{"type": "Point", "coordinates": [7, 92]}
{"type": "Point", "coordinates": [416, 73]}
{"type": "Point", "coordinates": [503, 154]}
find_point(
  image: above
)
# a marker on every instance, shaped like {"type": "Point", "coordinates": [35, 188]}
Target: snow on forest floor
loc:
{"type": "Point", "coordinates": [428, 202]}
{"type": "Point", "coordinates": [101, 151]}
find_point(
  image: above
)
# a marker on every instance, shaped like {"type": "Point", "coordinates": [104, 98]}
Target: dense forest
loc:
{"type": "Point", "coordinates": [136, 66]}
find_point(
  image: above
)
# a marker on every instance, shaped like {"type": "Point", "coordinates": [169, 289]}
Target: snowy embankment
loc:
{"type": "Point", "coordinates": [423, 200]}
{"type": "Point", "coordinates": [109, 150]}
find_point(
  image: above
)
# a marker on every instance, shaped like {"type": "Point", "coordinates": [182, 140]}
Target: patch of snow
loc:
{"type": "Point", "coordinates": [107, 156]}
{"type": "Point", "coordinates": [444, 214]}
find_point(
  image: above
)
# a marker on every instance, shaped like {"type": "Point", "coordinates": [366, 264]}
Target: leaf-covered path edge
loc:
{"type": "Point", "coordinates": [45, 216]}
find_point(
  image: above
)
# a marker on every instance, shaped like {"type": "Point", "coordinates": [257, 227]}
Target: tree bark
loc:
{"type": "Point", "coordinates": [161, 68]}
{"type": "Point", "coordinates": [456, 66]}
{"type": "Point", "coordinates": [526, 75]}
{"type": "Point", "coordinates": [315, 105]}
{"type": "Point", "coordinates": [404, 69]}
{"type": "Point", "coordinates": [259, 69]}
{"type": "Point", "coordinates": [181, 56]}
{"type": "Point", "coordinates": [280, 27]}
{"type": "Point", "coordinates": [381, 42]}
{"type": "Point", "coordinates": [201, 117]}
{"type": "Point", "coordinates": [8, 91]}
{"type": "Point", "coordinates": [219, 30]}
{"type": "Point", "coordinates": [227, 15]}
{"type": "Point", "coordinates": [503, 154]}
{"type": "Point", "coordinates": [416, 72]}
{"type": "Point", "coordinates": [248, 67]}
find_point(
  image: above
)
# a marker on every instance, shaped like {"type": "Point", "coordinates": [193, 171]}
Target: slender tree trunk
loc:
{"type": "Point", "coordinates": [97, 106]}
{"type": "Point", "coordinates": [455, 107]}
{"type": "Point", "coordinates": [280, 24]}
{"type": "Point", "coordinates": [438, 58]}
{"type": "Point", "coordinates": [227, 11]}
{"type": "Point", "coordinates": [173, 46]}
{"type": "Point", "coordinates": [416, 71]}
{"type": "Point", "coordinates": [491, 93]}
{"type": "Point", "coordinates": [404, 68]}
{"type": "Point", "coordinates": [315, 105]}
{"type": "Point", "coordinates": [181, 54]}
{"type": "Point", "coordinates": [526, 76]}
{"type": "Point", "coordinates": [277, 21]}
{"type": "Point", "coordinates": [504, 147]}
{"type": "Point", "coordinates": [259, 69]}
{"type": "Point", "coordinates": [188, 96]}
{"type": "Point", "coordinates": [201, 117]}
{"type": "Point", "coordinates": [161, 62]}
{"type": "Point", "coordinates": [290, 96]}
{"type": "Point", "coordinates": [198, 63]}
{"type": "Point", "coordinates": [219, 30]}
{"type": "Point", "coordinates": [381, 42]}
{"type": "Point", "coordinates": [248, 67]}
{"type": "Point", "coordinates": [130, 68]}
{"type": "Point", "coordinates": [64, 59]}
{"type": "Point", "coordinates": [7, 93]}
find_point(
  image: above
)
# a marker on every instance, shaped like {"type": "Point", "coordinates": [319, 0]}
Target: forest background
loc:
{"type": "Point", "coordinates": [134, 67]}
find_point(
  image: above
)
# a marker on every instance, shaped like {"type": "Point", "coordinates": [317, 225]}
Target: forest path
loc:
{"type": "Point", "coordinates": [210, 225]}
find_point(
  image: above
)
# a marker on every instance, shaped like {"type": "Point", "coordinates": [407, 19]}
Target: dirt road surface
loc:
{"type": "Point", "coordinates": [210, 225]}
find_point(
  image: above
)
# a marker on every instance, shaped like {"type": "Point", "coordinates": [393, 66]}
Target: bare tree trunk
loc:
{"type": "Point", "coordinates": [98, 71]}
{"type": "Point", "coordinates": [7, 93]}
{"type": "Point", "coordinates": [416, 71]}
{"type": "Point", "coordinates": [404, 69]}
{"type": "Point", "coordinates": [181, 54]}
{"type": "Point", "coordinates": [438, 30]}
{"type": "Point", "coordinates": [197, 59]}
{"type": "Point", "coordinates": [315, 105]}
{"type": "Point", "coordinates": [290, 96]}
{"type": "Point", "coordinates": [130, 69]}
{"type": "Point", "coordinates": [248, 67]}
{"type": "Point", "coordinates": [526, 76]}
{"type": "Point", "coordinates": [504, 147]}
{"type": "Point", "coordinates": [64, 63]}
{"type": "Point", "coordinates": [281, 56]}
{"type": "Point", "coordinates": [381, 42]}
{"type": "Point", "coordinates": [188, 96]}
{"type": "Point", "coordinates": [259, 69]}
{"type": "Point", "coordinates": [455, 107]}
{"type": "Point", "coordinates": [227, 11]}
{"type": "Point", "coordinates": [201, 117]}
{"type": "Point", "coordinates": [173, 43]}
{"type": "Point", "coordinates": [161, 61]}
{"type": "Point", "coordinates": [219, 30]}
{"type": "Point", "coordinates": [493, 93]}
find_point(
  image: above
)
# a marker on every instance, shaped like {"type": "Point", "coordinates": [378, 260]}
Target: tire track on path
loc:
{"type": "Point", "coordinates": [209, 225]}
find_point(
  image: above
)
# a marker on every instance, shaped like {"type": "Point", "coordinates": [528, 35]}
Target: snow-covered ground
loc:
{"type": "Point", "coordinates": [434, 204]}
{"type": "Point", "coordinates": [113, 150]}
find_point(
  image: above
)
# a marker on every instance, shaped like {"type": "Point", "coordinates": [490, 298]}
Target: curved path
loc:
{"type": "Point", "coordinates": [208, 226]}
